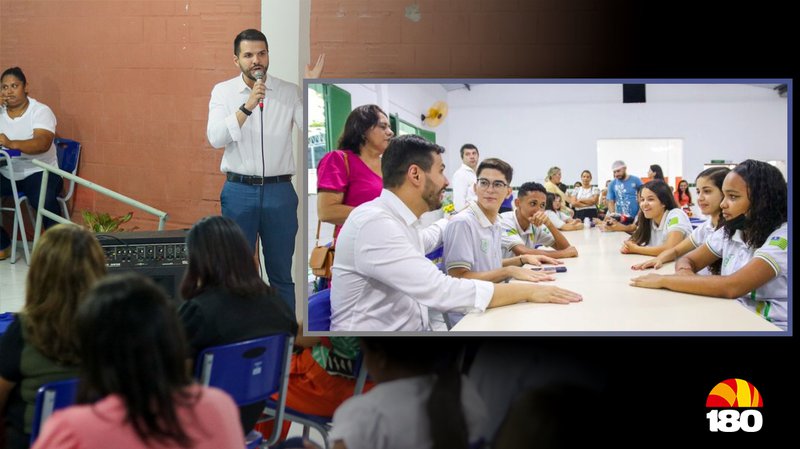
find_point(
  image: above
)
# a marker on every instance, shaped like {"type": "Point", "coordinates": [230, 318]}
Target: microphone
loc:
{"type": "Point", "coordinates": [259, 75]}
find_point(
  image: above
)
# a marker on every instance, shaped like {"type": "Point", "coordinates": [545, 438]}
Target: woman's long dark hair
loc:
{"type": "Point", "coordinates": [448, 425]}
{"type": "Point", "coordinates": [360, 120]}
{"type": "Point", "coordinates": [132, 345]}
{"type": "Point", "coordinates": [716, 175]}
{"type": "Point", "coordinates": [551, 198]}
{"type": "Point", "coordinates": [768, 195]}
{"type": "Point", "coordinates": [219, 256]}
{"type": "Point", "coordinates": [642, 234]}
{"type": "Point", "coordinates": [659, 173]}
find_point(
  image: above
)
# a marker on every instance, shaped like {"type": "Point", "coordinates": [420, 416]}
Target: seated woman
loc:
{"type": "Point", "coordinates": [135, 391]}
{"type": "Point", "coordinates": [552, 182]}
{"type": "Point", "coordinates": [420, 401]}
{"type": "Point", "coordinates": [28, 126]}
{"type": "Point", "coordinates": [661, 223]}
{"type": "Point", "coordinates": [753, 244]}
{"type": "Point", "coordinates": [226, 299]}
{"type": "Point", "coordinates": [40, 346]}
{"type": "Point", "coordinates": [709, 197]}
{"type": "Point", "coordinates": [584, 197]}
{"type": "Point", "coordinates": [559, 219]}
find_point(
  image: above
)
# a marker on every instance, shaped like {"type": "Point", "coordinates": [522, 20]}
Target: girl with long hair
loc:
{"type": "Point", "coordinates": [661, 223]}
{"type": "Point", "coordinates": [683, 196]}
{"type": "Point", "coordinates": [41, 345]}
{"type": "Point", "coordinates": [709, 197]}
{"type": "Point", "coordinates": [753, 245]}
{"type": "Point", "coordinates": [135, 391]}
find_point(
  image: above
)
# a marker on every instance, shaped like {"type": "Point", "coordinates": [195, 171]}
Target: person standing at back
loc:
{"type": "Point", "coordinates": [621, 197]}
{"type": "Point", "coordinates": [464, 178]}
{"type": "Point", "coordinates": [251, 116]}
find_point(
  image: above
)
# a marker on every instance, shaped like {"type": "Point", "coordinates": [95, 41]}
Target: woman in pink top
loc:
{"type": "Point", "coordinates": [351, 176]}
{"type": "Point", "coordinates": [135, 390]}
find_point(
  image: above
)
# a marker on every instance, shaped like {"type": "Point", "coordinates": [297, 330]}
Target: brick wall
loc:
{"type": "Point", "coordinates": [131, 81]}
{"type": "Point", "coordinates": [469, 38]}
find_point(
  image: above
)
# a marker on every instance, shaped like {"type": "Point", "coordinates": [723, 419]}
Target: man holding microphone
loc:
{"type": "Point", "coordinates": [251, 117]}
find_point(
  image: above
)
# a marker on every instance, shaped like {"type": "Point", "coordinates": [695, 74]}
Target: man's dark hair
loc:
{"type": "Point", "coordinates": [16, 71]}
{"type": "Point", "coordinates": [497, 164]}
{"type": "Point", "coordinates": [402, 153]}
{"type": "Point", "coordinates": [468, 146]}
{"type": "Point", "coordinates": [248, 35]}
{"type": "Point", "coordinates": [360, 120]}
{"type": "Point", "coordinates": [529, 187]}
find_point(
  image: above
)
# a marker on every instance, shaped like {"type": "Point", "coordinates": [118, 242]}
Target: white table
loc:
{"type": "Point", "coordinates": [610, 305]}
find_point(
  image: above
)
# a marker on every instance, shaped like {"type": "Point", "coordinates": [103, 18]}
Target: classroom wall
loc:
{"type": "Point", "coordinates": [537, 126]}
{"type": "Point", "coordinates": [131, 81]}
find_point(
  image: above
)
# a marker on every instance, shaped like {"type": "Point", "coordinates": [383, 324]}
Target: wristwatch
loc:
{"type": "Point", "coordinates": [244, 110]}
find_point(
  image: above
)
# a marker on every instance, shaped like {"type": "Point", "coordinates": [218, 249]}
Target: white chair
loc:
{"type": "Point", "coordinates": [19, 224]}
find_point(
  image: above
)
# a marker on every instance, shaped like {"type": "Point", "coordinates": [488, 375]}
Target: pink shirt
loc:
{"type": "Point", "coordinates": [213, 423]}
{"type": "Point", "coordinates": [361, 186]}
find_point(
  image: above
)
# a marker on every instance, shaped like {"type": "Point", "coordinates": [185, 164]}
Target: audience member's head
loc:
{"type": "Point", "coordinates": [366, 125]}
{"type": "Point", "coordinates": [620, 170]}
{"type": "Point", "coordinates": [132, 345]}
{"type": "Point", "coordinates": [469, 155]}
{"type": "Point", "coordinates": [66, 262]}
{"type": "Point", "coordinates": [219, 257]}
{"type": "Point", "coordinates": [656, 172]}
{"type": "Point", "coordinates": [531, 198]}
{"type": "Point", "coordinates": [586, 179]}
{"type": "Point", "coordinates": [553, 175]}
{"type": "Point", "coordinates": [415, 162]}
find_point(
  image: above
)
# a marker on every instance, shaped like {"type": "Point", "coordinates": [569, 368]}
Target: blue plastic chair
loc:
{"type": "Point", "coordinates": [69, 154]}
{"type": "Point", "coordinates": [51, 397]}
{"type": "Point", "coordinates": [319, 311]}
{"type": "Point", "coordinates": [435, 254]}
{"type": "Point", "coordinates": [5, 320]}
{"type": "Point", "coordinates": [250, 371]}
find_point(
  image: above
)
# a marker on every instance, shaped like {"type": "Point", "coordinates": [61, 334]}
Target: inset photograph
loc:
{"type": "Point", "coordinates": [577, 207]}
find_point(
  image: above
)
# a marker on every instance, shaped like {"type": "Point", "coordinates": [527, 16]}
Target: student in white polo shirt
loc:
{"type": "Point", "coordinates": [472, 239]}
{"type": "Point", "coordinates": [753, 246]}
{"type": "Point", "coordinates": [661, 223]}
{"type": "Point", "coordinates": [709, 197]}
{"type": "Point", "coordinates": [382, 280]}
{"type": "Point", "coordinates": [528, 226]}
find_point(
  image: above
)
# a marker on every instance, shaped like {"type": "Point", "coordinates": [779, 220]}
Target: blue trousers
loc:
{"type": "Point", "coordinates": [32, 186]}
{"type": "Point", "coordinates": [274, 220]}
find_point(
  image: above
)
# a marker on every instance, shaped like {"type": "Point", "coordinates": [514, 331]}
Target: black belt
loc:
{"type": "Point", "coordinates": [257, 180]}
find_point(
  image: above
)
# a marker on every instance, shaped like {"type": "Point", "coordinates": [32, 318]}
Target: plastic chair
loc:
{"type": "Point", "coordinates": [322, 424]}
{"type": "Point", "coordinates": [250, 371]}
{"type": "Point", "coordinates": [51, 397]}
{"type": "Point", "coordinates": [19, 224]}
{"type": "Point", "coordinates": [5, 320]}
{"type": "Point", "coordinates": [435, 254]}
{"type": "Point", "coordinates": [69, 154]}
{"type": "Point", "coordinates": [319, 311]}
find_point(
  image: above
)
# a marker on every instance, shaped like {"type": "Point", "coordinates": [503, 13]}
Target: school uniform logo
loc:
{"type": "Point", "coordinates": [672, 222]}
{"type": "Point", "coordinates": [779, 241]}
{"type": "Point", "coordinates": [485, 245]}
{"type": "Point", "coordinates": [734, 404]}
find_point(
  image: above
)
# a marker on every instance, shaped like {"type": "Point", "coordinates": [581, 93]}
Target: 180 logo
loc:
{"type": "Point", "coordinates": [728, 396]}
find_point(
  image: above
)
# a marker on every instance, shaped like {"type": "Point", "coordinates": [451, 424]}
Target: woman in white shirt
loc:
{"type": "Point", "coordinates": [584, 197]}
{"type": "Point", "coordinates": [559, 219]}
{"type": "Point", "coordinates": [709, 197]}
{"type": "Point", "coordinates": [662, 224]}
{"type": "Point", "coordinates": [420, 401]}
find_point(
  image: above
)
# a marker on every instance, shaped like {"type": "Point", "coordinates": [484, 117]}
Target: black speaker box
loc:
{"type": "Point", "coordinates": [633, 93]}
{"type": "Point", "coordinates": [159, 255]}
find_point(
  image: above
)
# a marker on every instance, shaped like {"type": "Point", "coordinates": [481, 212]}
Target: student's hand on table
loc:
{"type": "Point", "coordinates": [314, 72]}
{"type": "Point", "coordinates": [652, 263]}
{"type": "Point", "coordinates": [648, 281]}
{"type": "Point", "coordinates": [553, 294]}
{"type": "Point", "coordinates": [526, 274]}
{"type": "Point", "coordinates": [628, 247]}
{"type": "Point", "coordinates": [538, 259]}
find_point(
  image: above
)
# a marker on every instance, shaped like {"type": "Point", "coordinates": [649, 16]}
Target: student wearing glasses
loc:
{"type": "Point", "coordinates": [473, 238]}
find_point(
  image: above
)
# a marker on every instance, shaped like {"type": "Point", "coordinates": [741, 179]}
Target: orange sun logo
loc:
{"type": "Point", "coordinates": [734, 393]}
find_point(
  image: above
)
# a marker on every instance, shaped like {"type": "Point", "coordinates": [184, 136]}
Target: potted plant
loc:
{"type": "Point", "coordinates": [104, 222]}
